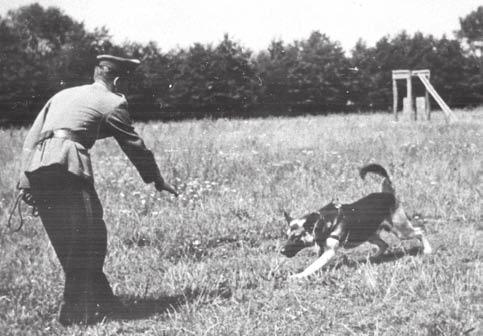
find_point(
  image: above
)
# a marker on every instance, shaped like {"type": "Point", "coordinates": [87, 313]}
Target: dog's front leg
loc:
{"type": "Point", "coordinates": [331, 245]}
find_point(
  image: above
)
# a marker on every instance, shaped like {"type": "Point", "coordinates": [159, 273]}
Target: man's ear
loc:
{"type": "Point", "coordinates": [287, 217]}
{"type": "Point", "coordinates": [120, 85]}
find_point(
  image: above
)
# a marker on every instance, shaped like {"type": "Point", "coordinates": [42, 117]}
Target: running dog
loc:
{"type": "Point", "coordinates": [349, 225]}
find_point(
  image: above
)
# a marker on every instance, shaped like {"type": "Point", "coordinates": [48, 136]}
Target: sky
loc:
{"type": "Point", "coordinates": [254, 23]}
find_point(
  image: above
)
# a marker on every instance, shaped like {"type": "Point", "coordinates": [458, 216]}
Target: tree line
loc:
{"type": "Point", "coordinates": [44, 50]}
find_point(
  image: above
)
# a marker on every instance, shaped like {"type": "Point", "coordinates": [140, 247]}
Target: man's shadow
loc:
{"type": "Point", "coordinates": [135, 308]}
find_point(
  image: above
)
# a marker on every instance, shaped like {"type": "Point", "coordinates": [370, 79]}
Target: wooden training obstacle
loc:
{"type": "Point", "coordinates": [424, 76]}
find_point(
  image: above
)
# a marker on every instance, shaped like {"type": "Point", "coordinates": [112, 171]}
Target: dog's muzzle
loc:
{"type": "Point", "coordinates": [289, 251]}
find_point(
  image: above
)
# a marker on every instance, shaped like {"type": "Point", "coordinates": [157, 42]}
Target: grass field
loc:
{"type": "Point", "coordinates": [207, 263]}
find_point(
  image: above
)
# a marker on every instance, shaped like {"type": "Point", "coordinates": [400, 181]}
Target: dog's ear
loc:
{"type": "Point", "coordinates": [287, 217]}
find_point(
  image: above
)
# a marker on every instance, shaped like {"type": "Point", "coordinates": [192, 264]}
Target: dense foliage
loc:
{"type": "Point", "coordinates": [44, 50]}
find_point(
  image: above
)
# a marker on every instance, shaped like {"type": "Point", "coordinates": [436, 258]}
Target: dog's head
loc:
{"type": "Point", "coordinates": [300, 233]}
{"type": "Point", "coordinates": [310, 229]}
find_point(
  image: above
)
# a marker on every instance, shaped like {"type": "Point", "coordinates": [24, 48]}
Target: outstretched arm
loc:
{"type": "Point", "coordinates": [120, 126]}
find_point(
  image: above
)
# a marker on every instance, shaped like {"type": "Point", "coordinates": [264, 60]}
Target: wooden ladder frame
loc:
{"type": "Point", "coordinates": [424, 76]}
{"type": "Point", "coordinates": [407, 75]}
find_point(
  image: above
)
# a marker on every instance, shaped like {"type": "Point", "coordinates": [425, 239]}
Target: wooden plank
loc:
{"type": "Point", "coordinates": [428, 104]}
{"type": "Point", "coordinates": [394, 98]}
{"type": "Point", "coordinates": [411, 110]}
{"type": "Point", "coordinates": [401, 71]}
{"type": "Point", "coordinates": [447, 111]}
{"type": "Point", "coordinates": [424, 72]}
{"type": "Point", "coordinates": [401, 74]}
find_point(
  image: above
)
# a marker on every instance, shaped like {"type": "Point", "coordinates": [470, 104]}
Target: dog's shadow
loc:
{"type": "Point", "coordinates": [136, 308]}
{"type": "Point", "coordinates": [386, 257]}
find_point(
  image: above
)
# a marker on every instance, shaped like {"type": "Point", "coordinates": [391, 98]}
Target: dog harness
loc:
{"type": "Point", "coordinates": [353, 224]}
{"type": "Point", "coordinates": [331, 231]}
{"type": "Point", "coordinates": [335, 222]}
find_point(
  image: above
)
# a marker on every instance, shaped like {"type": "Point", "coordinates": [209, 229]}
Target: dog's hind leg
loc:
{"type": "Point", "coordinates": [381, 245]}
{"type": "Point", "coordinates": [403, 229]}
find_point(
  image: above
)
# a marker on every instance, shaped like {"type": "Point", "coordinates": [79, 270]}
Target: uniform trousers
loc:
{"type": "Point", "coordinates": [72, 215]}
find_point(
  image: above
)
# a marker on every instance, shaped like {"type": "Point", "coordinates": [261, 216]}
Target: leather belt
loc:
{"type": "Point", "coordinates": [64, 133]}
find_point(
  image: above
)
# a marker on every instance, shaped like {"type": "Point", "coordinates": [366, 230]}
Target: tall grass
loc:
{"type": "Point", "coordinates": [207, 263]}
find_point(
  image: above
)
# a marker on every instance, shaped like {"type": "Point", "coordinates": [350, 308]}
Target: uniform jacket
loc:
{"type": "Point", "coordinates": [96, 113]}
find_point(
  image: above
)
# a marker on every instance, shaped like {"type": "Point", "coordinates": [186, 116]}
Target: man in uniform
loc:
{"type": "Point", "coordinates": [57, 176]}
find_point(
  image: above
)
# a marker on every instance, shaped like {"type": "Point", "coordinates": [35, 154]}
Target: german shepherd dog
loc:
{"type": "Point", "coordinates": [349, 225]}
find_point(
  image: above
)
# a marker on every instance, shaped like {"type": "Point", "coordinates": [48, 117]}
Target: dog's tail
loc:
{"type": "Point", "coordinates": [386, 185]}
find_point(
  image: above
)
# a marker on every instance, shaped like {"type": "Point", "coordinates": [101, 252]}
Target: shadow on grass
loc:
{"type": "Point", "coordinates": [387, 257]}
{"type": "Point", "coordinates": [136, 308]}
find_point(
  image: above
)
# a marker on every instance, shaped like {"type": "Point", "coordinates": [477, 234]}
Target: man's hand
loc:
{"type": "Point", "coordinates": [160, 185]}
